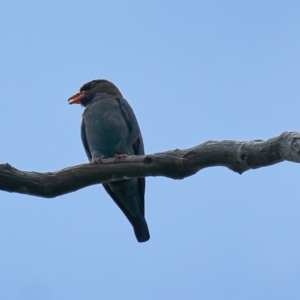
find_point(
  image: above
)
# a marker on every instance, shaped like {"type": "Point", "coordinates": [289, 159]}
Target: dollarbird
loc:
{"type": "Point", "coordinates": [109, 128]}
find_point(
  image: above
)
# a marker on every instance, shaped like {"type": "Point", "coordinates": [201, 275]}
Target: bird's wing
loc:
{"type": "Point", "coordinates": [135, 139]}
{"type": "Point", "coordinates": [84, 141]}
{"type": "Point", "coordinates": [121, 206]}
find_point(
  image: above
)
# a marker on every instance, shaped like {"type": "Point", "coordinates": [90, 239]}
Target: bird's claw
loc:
{"type": "Point", "coordinates": [98, 160]}
{"type": "Point", "coordinates": [119, 156]}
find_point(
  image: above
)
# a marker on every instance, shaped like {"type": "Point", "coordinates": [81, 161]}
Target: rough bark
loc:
{"type": "Point", "coordinates": [177, 164]}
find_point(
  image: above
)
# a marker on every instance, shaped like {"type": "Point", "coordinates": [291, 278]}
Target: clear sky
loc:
{"type": "Point", "coordinates": [192, 71]}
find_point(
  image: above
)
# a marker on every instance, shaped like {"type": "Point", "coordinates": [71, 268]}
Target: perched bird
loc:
{"type": "Point", "coordinates": [109, 128]}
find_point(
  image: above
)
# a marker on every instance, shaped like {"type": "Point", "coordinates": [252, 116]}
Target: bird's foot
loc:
{"type": "Point", "coordinates": [98, 160]}
{"type": "Point", "coordinates": [119, 156]}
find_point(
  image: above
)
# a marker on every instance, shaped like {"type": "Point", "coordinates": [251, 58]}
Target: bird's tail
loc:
{"type": "Point", "coordinates": [140, 229]}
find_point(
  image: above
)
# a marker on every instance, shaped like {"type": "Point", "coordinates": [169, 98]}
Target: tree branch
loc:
{"type": "Point", "coordinates": [177, 164]}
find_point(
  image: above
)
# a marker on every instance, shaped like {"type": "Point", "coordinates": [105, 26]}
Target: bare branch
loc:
{"type": "Point", "coordinates": [177, 164]}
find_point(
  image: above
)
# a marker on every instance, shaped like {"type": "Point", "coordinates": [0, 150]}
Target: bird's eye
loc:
{"type": "Point", "coordinates": [93, 84]}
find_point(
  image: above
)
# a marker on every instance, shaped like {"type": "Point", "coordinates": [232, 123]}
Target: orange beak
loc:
{"type": "Point", "coordinates": [76, 99]}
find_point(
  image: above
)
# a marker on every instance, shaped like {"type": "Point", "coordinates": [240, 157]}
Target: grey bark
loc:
{"type": "Point", "coordinates": [176, 164]}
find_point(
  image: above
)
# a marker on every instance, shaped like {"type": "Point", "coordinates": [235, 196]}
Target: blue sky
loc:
{"type": "Point", "coordinates": [192, 71]}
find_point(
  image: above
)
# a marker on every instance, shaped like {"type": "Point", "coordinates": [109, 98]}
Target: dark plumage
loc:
{"type": "Point", "coordinates": [109, 127]}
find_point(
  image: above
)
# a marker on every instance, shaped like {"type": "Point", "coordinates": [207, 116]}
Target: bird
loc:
{"type": "Point", "coordinates": [109, 128]}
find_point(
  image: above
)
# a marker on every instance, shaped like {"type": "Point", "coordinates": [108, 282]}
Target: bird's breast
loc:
{"type": "Point", "coordinates": [106, 130]}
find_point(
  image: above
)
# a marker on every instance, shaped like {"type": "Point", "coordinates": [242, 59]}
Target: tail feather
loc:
{"type": "Point", "coordinates": [140, 229]}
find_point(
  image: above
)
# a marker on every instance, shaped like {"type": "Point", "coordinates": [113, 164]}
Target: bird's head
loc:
{"type": "Point", "coordinates": [88, 90]}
